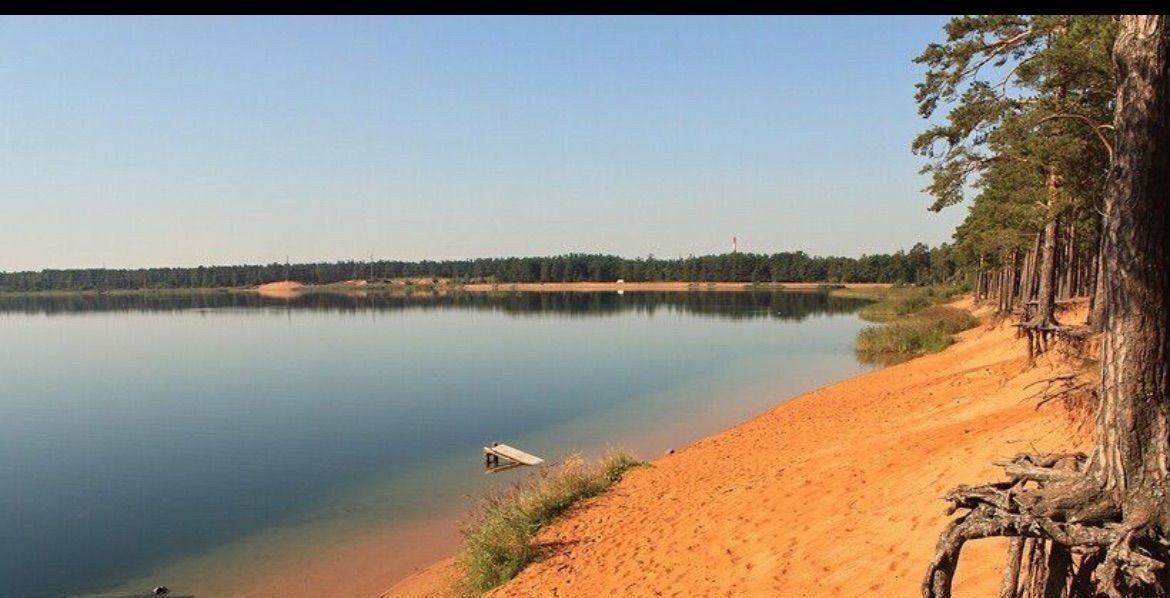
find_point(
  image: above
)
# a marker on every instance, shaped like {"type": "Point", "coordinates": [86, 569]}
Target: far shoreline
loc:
{"type": "Point", "coordinates": [448, 286]}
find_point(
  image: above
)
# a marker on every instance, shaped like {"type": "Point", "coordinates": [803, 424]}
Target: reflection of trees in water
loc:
{"type": "Point", "coordinates": [741, 305]}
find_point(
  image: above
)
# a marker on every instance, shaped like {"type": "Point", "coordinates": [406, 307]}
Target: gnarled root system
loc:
{"type": "Point", "coordinates": [1068, 536]}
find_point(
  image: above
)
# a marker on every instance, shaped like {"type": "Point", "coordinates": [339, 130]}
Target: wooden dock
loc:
{"type": "Point", "coordinates": [493, 453]}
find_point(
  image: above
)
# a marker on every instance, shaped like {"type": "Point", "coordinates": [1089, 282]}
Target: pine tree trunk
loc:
{"type": "Point", "coordinates": [1097, 303]}
{"type": "Point", "coordinates": [981, 285]}
{"type": "Point", "coordinates": [1046, 296]}
{"type": "Point", "coordinates": [1068, 263]}
{"type": "Point", "coordinates": [1133, 425]}
{"type": "Point", "coordinates": [1010, 271]}
{"type": "Point", "coordinates": [1005, 289]}
{"type": "Point", "coordinates": [1074, 261]}
{"type": "Point", "coordinates": [1028, 284]}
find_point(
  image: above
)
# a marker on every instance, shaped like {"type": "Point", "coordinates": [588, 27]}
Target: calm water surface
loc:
{"type": "Point", "coordinates": [141, 433]}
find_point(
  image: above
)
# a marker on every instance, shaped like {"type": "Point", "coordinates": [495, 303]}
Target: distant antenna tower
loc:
{"type": "Point", "coordinates": [733, 245]}
{"type": "Point", "coordinates": [287, 267]}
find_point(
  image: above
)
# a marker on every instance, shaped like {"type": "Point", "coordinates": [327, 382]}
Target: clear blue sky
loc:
{"type": "Point", "coordinates": [183, 141]}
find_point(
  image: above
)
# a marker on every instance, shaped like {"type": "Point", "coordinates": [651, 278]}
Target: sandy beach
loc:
{"type": "Point", "coordinates": [834, 493]}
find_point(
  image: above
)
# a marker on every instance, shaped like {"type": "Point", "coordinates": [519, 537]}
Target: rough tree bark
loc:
{"type": "Point", "coordinates": [1111, 509]}
{"type": "Point", "coordinates": [1133, 427]}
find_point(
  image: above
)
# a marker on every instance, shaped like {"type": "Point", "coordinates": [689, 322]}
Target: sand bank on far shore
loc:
{"type": "Point", "coordinates": [282, 289]}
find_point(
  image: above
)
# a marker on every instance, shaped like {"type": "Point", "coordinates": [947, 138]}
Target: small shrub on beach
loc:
{"type": "Point", "coordinates": [914, 303]}
{"type": "Point", "coordinates": [899, 301]}
{"type": "Point", "coordinates": [497, 539]}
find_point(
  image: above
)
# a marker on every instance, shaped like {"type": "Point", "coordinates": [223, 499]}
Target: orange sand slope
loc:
{"type": "Point", "coordinates": [835, 493]}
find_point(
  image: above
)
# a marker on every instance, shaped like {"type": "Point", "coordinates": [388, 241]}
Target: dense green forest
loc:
{"type": "Point", "coordinates": [1025, 141]}
{"type": "Point", "coordinates": [919, 265]}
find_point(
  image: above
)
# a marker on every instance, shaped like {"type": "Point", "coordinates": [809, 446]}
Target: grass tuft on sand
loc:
{"type": "Point", "coordinates": [899, 301]}
{"type": "Point", "coordinates": [497, 540]}
{"type": "Point", "coordinates": [926, 330]}
{"type": "Point", "coordinates": [912, 322]}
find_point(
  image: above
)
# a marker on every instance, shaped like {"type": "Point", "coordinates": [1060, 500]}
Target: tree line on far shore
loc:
{"type": "Point", "coordinates": [920, 265]}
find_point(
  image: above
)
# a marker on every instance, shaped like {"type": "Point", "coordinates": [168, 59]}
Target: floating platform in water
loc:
{"type": "Point", "coordinates": [515, 457]}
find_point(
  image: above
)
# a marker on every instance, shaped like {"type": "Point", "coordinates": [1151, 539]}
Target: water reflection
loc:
{"type": "Point", "coordinates": [138, 431]}
{"type": "Point", "coordinates": [788, 306]}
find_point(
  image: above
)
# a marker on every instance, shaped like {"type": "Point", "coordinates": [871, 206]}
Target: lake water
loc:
{"type": "Point", "coordinates": [140, 437]}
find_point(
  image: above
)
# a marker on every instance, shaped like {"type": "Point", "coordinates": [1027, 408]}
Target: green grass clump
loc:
{"type": "Point", "coordinates": [497, 540]}
{"type": "Point", "coordinates": [911, 304]}
{"type": "Point", "coordinates": [926, 331]}
{"type": "Point", "coordinates": [897, 302]}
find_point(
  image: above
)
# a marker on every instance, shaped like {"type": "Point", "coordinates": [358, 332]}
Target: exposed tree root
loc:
{"type": "Point", "coordinates": [1068, 538]}
{"type": "Point", "coordinates": [1072, 389]}
{"type": "Point", "coordinates": [1043, 334]}
{"type": "Point", "coordinates": [1039, 334]}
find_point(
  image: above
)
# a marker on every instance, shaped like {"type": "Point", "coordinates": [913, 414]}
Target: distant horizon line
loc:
{"type": "Point", "coordinates": [467, 259]}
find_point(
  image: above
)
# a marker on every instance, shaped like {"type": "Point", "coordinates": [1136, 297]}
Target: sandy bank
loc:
{"type": "Point", "coordinates": [549, 287]}
{"type": "Point", "coordinates": [835, 493]}
{"type": "Point", "coordinates": [282, 289]}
